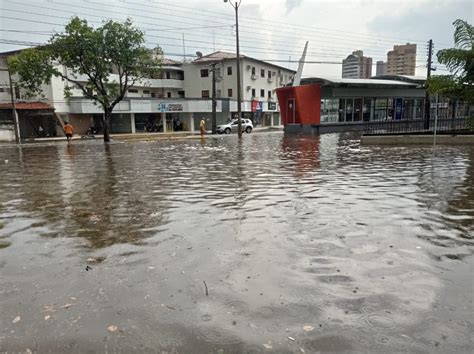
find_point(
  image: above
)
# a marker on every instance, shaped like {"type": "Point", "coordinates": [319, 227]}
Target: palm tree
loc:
{"type": "Point", "coordinates": [460, 62]}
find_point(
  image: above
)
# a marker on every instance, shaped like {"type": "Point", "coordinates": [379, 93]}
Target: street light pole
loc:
{"type": "Point", "coordinates": [16, 124]}
{"type": "Point", "coordinates": [237, 44]}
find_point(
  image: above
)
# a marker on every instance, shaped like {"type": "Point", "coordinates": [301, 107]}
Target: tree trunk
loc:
{"type": "Point", "coordinates": [106, 123]}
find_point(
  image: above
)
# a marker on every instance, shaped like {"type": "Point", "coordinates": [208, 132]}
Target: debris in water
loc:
{"type": "Point", "coordinates": [88, 268]}
{"type": "Point", "coordinates": [16, 319]}
{"type": "Point", "coordinates": [47, 317]}
{"type": "Point", "coordinates": [173, 254]}
{"type": "Point", "coordinates": [308, 328]}
{"type": "Point", "coordinates": [95, 260]}
{"type": "Point", "coordinates": [291, 338]}
{"type": "Point", "coordinates": [112, 328]}
{"type": "Point", "coordinates": [151, 268]}
{"type": "Point", "coordinates": [205, 285]}
{"type": "Point", "coordinates": [268, 345]}
{"type": "Point", "coordinates": [66, 306]}
{"type": "Point", "coordinates": [6, 161]}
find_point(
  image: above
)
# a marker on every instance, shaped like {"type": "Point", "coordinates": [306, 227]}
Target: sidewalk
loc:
{"type": "Point", "coordinates": [152, 136]}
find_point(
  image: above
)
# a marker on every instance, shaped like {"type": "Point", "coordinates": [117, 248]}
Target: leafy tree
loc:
{"type": "Point", "coordinates": [460, 62]}
{"type": "Point", "coordinates": [85, 57]}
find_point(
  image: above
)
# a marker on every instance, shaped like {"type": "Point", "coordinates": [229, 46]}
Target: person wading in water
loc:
{"type": "Point", "coordinates": [69, 130]}
{"type": "Point", "coordinates": [202, 126]}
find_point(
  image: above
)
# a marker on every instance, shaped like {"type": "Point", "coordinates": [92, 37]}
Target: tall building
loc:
{"type": "Point", "coordinates": [356, 66]}
{"type": "Point", "coordinates": [381, 68]}
{"type": "Point", "coordinates": [402, 60]}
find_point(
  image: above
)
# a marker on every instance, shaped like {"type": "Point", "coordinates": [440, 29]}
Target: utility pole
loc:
{"type": "Point", "coordinates": [237, 44]}
{"type": "Point", "coordinates": [14, 112]}
{"type": "Point", "coordinates": [428, 75]}
{"type": "Point", "coordinates": [214, 100]}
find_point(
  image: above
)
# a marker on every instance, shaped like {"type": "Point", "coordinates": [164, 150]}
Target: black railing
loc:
{"type": "Point", "coordinates": [418, 126]}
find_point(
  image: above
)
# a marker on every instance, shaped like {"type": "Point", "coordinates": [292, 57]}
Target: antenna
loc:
{"type": "Point", "coordinates": [184, 50]}
{"type": "Point", "coordinates": [213, 40]}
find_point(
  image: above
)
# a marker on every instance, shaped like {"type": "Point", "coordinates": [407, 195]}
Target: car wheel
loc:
{"type": "Point", "coordinates": [248, 130]}
{"type": "Point", "coordinates": [227, 130]}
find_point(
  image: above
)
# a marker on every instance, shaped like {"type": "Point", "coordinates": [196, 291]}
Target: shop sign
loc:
{"type": "Point", "coordinates": [257, 106]}
{"type": "Point", "coordinates": [170, 107]}
{"type": "Point", "coordinates": [272, 106]}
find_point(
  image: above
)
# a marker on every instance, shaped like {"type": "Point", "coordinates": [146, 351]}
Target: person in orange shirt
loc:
{"type": "Point", "coordinates": [69, 130]}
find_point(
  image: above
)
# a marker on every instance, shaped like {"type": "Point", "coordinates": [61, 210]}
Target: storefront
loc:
{"type": "Point", "coordinates": [325, 105]}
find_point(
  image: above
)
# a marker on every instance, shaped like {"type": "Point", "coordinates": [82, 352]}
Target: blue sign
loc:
{"type": "Point", "coordinates": [398, 108]}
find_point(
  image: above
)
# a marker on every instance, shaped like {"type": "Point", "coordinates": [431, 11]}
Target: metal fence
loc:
{"type": "Point", "coordinates": [418, 126]}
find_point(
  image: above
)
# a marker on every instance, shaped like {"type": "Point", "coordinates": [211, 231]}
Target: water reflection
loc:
{"type": "Point", "coordinates": [287, 231]}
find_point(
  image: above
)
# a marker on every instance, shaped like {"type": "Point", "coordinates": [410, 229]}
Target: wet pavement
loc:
{"type": "Point", "coordinates": [304, 244]}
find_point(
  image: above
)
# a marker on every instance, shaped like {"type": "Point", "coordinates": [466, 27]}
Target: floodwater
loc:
{"type": "Point", "coordinates": [305, 244]}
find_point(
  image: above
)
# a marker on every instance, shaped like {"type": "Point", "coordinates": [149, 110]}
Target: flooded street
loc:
{"type": "Point", "coordinates": [304, 244]}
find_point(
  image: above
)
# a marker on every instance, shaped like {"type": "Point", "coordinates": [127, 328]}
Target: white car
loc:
{"type": "Point", "coordinates": [233, 125]}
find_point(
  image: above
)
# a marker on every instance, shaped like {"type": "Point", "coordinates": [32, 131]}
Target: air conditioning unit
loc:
{"type": "Point", "coordinates": [248, 66]}
{"type": "Point", "coordinates": [248, 88]}
{"type": "Point", "coordinates": [254, 77]}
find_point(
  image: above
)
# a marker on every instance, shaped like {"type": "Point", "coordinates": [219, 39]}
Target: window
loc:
{"type": "Point", "coordinates": [269, 94]}
{"type": "Point", "coordinates": [181, 94]}
{"type": "Point", "coordinates": [229, 70]}
{"type": "Point", "coordinates": [153, 94]}
{"type": "Point", "coordinates": [168, 94]}
{"type": "Point", "coordinates": [253, 92]}
{"type": "Point", "coordinates": [229, 92]}
{"type": "Point", "coordinates": [218, 93]}
{"type": "Point", "coordinates": [168, 75]}
{"type": "Point", "coordinates": [262, 93]}
{"type": "Point", "coordinates": [269, 74]}
{"type": "Point", "coordinates": [253, 70]}
{"type": "Point", "coordinates": [146, 92]}
{"type": "Point", "coordinates": [205, 93]}
{"type": "Point", "coordinates": [132, 91]}
{"type": "Point", "coordinates": [262, 72]}
{"type": "Point", "coordinates": [204, 72]}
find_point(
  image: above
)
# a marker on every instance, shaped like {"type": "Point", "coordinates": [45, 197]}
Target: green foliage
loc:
{"type": "Point", "coordinates": [85, 57]}
{"type": "Point", "coordinates": [460, 62]}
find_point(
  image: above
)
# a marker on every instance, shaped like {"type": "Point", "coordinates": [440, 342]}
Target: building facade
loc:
{"type": "Point", "coordinates": [356, 66]}
{"type": "Point", "coordinates": [381, 68]}
{"type": "Point", "coordinates": [176, 100]}
{"type": "Point", "coordinates": [402, 60]}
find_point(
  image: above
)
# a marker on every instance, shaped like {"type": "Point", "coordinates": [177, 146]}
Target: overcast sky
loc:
{"type": "Point", "coordinates": [269, 29]}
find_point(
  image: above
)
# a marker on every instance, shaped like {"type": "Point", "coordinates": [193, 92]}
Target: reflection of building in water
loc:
{"type": "Point", "coordinates": [303, 150]}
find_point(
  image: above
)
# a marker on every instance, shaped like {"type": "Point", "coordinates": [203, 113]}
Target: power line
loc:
{"type": "Point", "coordinates": [121, 13]}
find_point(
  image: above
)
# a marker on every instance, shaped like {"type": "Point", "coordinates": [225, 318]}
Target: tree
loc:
{"type": "Point", "coordinates": [82, 51]}
{"type": "Point", "coordinates": [460, 62]}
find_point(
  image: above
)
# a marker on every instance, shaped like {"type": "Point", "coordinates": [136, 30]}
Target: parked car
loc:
{"type": "Point", "coordinates": [233, 125]}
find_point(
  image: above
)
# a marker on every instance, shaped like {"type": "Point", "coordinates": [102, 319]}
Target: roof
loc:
{"type": "Point", "coordinates": [220, 55]}
{"type": "Point", "coordinates": [355, 82]}
{"type": "Point", "coordinates": [166, 61]}
{"type": "Point", "coordinates": [407, 78]}
{"type": "Point", "coordinates": [27, 106]}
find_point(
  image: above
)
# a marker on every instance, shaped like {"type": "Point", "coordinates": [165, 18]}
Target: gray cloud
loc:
{"type": "Point", "coordinates": [292, 4]}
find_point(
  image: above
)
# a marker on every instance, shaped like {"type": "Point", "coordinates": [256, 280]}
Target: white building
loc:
{"type": "Point", "coordinates": [356, 66]}
{"type": "Point", "coordinates": [181, 94]}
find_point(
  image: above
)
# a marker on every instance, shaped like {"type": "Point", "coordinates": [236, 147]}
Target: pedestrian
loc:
{"type": "Point", "coordinates": [202, 126]}
{"type": "Point", "coordinates": [69, 130]}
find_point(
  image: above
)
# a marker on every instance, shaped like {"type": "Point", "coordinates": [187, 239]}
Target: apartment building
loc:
{"type": "Point", "coordinates": [381, 68]}
{"type": "Point", "coordinates": [176, 100]}
{"type": "Point", "coordinates": [357, 66]}
{"type": "Point", "coordinates": [402, 60]}
{"type": "Point", "coordinates": [259, 80]}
